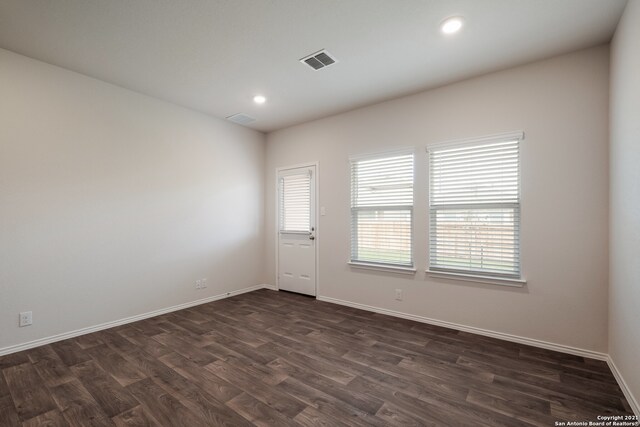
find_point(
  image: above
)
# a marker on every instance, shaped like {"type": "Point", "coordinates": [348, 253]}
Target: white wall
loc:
{"type": "Point", "coordinates": [624, 293]}
{"type": "Point", "coordinates": [112, 203]}
{"type": "Point", "coordinates": [562, 106]}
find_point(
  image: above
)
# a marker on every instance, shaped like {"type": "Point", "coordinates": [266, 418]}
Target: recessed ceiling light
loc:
{"type": "Point", "coordinates": [451, 25]}
{"type": "Point", "coordinates": [259, 99]}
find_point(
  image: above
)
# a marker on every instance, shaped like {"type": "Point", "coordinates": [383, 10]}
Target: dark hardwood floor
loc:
{"type": "Point", "coordinates": [277, 359]}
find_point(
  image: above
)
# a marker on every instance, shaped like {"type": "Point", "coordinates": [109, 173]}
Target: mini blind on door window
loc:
{"type": "Point", "coordinates": [382, 210]}
{"type": "Point", "coordinates": [474, 204]}
{"type": "Point", "coordinates": [295, 203]}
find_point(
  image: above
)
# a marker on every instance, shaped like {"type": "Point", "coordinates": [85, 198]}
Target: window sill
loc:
{"type": "Point", "coordinates": [491, 280]}
{"type": "Point", "coordinates": [380, 267]}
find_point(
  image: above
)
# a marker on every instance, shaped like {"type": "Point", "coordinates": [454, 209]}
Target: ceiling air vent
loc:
{"type": "Point", "coordinates": [318, 60]}
{"type": "Point", "coordinates": [241, 119]}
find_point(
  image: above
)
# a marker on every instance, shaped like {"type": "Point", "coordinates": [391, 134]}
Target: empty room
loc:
{"type": "Point", "coordinates": [319, 213]}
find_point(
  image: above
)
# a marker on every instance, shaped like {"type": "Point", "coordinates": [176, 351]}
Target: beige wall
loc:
{"type": "Point", "coordinates": [561, 104]}
{"type": "Point", "coordinates": [112, 203]}
{"type": "Point", "coordinates": [624, 293]}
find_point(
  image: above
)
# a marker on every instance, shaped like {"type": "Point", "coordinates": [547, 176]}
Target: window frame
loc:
{"type": "Point", "coordinates": [372, 265]}
{"type": "Point", "coordinates": [281, 175]}
{"type": "Point", "coordinates": [506, 279]}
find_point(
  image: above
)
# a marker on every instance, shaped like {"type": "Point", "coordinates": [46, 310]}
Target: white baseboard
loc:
{"type": "Point", "coordinates": [90, 329]}
{"type": "Point", "coordinates": [272, 287]}
{"type": "Point", "coordinates": [493, 334]}
{"type": "Point", "coordinates": [625, 388]}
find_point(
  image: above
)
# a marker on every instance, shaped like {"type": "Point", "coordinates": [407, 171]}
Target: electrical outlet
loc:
{"type": "Point", "coordinates": [198, 284]}
{"type": "Point", "coordinates": [26, 318]}
{"type": "Point", "coordinates": [203, 283]}
{"type": "Point", "coordinates": [399, 294]}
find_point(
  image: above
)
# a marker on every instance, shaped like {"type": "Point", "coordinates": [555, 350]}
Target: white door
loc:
{"type": "Point", "coordinates": [297, 230]}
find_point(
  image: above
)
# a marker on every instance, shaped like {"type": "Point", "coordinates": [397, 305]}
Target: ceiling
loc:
{"type": "Point", "coordinates": [214, 56]}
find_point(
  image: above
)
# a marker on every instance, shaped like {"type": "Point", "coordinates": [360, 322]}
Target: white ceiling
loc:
{"type": "Point", "coordinates": [213, 56]}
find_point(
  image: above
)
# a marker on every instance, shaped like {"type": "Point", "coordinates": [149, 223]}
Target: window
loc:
{"type": "Point", "coordinates": [382, 210]}
{"type": "Point", "coordinates": [295, 205]}
{"type": "Point", "coordinates": [474, 207]}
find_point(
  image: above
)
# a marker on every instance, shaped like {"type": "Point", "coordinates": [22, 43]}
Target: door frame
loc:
{"type": "Point", "coordinates": [316, 181]}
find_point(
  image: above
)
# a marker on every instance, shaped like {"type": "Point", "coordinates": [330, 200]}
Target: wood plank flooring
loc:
{"type": "Point", "coordinates": [278, 359]}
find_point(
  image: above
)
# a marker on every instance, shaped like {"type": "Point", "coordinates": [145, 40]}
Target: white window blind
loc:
{"type": "Point", "coordinates": [382, 209]}
{"type": "Point", "coordinates": [295, 203]}
{"type": "Point", "coordinates": [474, 204]}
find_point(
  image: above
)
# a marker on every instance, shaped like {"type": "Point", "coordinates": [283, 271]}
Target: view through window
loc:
{"type": "Point", "coordinates": [382, 209]}
{"type": "Point", "coordinates": [474, 207]}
